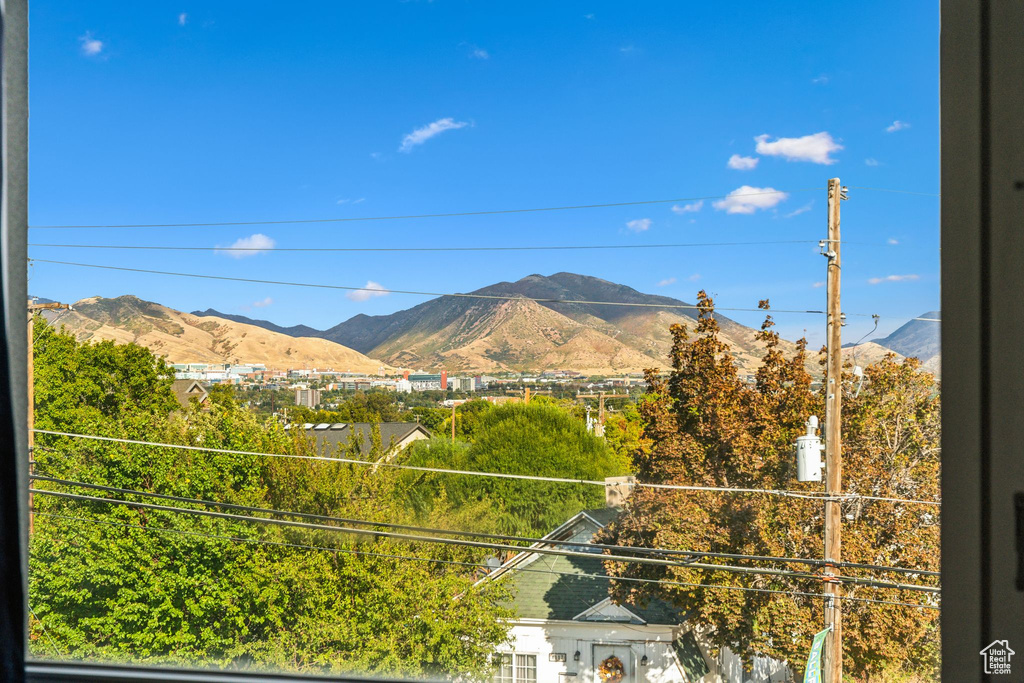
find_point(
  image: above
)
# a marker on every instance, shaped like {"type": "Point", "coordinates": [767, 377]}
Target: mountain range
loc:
{"type": "Point", "coordinates": [564, 321]}
{"type": "Point", "coordinates": [918, 338]}
{"type": "Point", "coordinates": [186, 338]}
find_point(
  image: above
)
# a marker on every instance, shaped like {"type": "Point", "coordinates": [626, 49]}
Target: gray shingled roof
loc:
{"type": "Point", "coordinates": [332, 435]}
{"type": "Point", "coordinates": [558, 588]}
{"type": "Point", "coordinates": [186, 389]}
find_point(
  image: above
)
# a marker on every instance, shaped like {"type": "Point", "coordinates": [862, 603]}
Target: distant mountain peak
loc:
{"type": "Point", "coordinates": [917, 338]}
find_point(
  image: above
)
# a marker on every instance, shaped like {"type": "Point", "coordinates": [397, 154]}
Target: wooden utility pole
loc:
{"type": "Point", "coordinates": [600, 410]}
{"type": "Point", "coordinates": [833, 655]}
{"type": "Point", "coordinates": [453, 421]}
{"type": "Point", "coordinates": [32, 308]}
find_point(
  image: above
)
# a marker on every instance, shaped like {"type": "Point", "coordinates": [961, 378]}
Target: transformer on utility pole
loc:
{"type": "Point", "coordinates": [808, 453]}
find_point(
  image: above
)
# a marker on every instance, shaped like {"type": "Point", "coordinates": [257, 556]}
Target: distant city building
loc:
{"type": "Point", "coordinates": [310, 398]}
{"type": "Point", "coordinates": [462, 383]}
{"type": "Point", "coordinates": [425, 382]}
{"type": "Point", "coordinates": [403, 386]}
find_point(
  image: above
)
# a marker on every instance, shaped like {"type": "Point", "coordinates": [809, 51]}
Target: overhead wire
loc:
{"type": "Point", "coordinates": [42, 627]}
{"type": "Point", "coordinates": [476, 473]}
{"type": "Point", "coordinates": [382, 290]}
{"type": "Point", "coordinates": [453, 214]}
{"type": "Point", "coordinates": [572, 247]}
{"type": "Point", "coordinates": [475, 534]}
{"type": "Point", "coordinates": [486, 545]}
{"type": "Point", "coordinates": [93, 520]}
{"type": "Point", "coordinates": [498, 297]}
{"type": "Point", "coordinates": [884, 189]}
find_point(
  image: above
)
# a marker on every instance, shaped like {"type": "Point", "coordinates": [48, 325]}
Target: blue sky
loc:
{"type": "Point", "coordinates": [162, 112]}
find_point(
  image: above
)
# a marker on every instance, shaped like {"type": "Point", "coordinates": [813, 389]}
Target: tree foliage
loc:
{"type": "Point", "coordinates": [122, 583]}
{"type": "Point", "coordinates": [538, 438]}
{"type": "Point", "coordinates": [703, 425]}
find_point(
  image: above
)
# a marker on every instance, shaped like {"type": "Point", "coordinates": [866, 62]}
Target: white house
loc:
{"type": "Point", "coordinates": [567, 627]}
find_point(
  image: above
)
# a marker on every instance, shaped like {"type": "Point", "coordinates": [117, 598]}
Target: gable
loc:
{"type": "Point", "coordinates": [559, 588]}
{"type": "Point", "coordinates": [606, 610]}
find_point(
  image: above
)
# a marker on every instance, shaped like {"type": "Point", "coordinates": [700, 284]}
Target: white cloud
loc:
{"type": "Point", "coordinates": [639, 224]}
{"type": "Point", "coordinates": [871, 162]}
{"type": "Point", "coordinates": [820, 80]}
{"type": "Point", "coordinates": [814, 148]}
{"type": "Point", "coordinates": [248, 246]}
{"type": "Point", "coordinates": [262, 303]}
{"type": "Point", "coordinates": [666, 282]}
{"type": "Point", "coordinates": [90, 46]}
{"type": "Point", "coordinates": [893, 278]}
{"type": "Point", "coordinates": [694, 277]}
{"type": "Point", "coordinates": [742, 163]}
{"type": "Point", "coordinates": [369, 290]}
{"type": "Point", "coordinates": [588, 16]}
{"type": "Point", "coordinates": [351, 201]}
{"type": "Point", "coordinates": [747, 199]}
{"type": "Point", "coordinates": [182, 19]}
{"type": "Point", "coordinates": [819, 284]}
{"type": "Point", "coordinates": [626, 49]}
{"type": "Point", "coordinates": [424, 133]}
{"type": "Point", "coordinates": [803, 209]}
{"type": "Point", "coordinates": [893, 241]}
{"type": "Point", "coordinates": [688, 208]}
{"type": "Point", "coordinates": [479, 53]}
{"type": "Point", "coordinates": [897, 125]}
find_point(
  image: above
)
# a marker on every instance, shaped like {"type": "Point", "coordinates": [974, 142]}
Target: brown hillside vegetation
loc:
{"type": "Point", "coordinates": [184, 338]}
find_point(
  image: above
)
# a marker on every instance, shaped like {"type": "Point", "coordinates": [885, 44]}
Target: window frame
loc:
{"type": "Point", "coordinates": [981, 67]}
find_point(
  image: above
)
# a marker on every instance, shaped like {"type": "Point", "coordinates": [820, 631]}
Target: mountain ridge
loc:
{"type": "Point", "coordinates": [564, 321]}
{"type": "Point", "coordinates": [186, 338]}
{"type": "Point", "coordinates": [566, 318]}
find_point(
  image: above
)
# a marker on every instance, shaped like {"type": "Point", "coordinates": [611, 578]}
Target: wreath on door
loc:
{"type": "Point", "coordinates": [612, 670]}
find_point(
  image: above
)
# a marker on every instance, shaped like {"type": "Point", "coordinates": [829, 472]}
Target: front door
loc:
{"type": "Point", "coordinates": [606, 654]}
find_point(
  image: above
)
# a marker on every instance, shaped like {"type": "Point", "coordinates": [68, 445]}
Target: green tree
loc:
{"type": "Point", "coordinates": [538, 439]}
{"type": "Point", "coordinates": [117, 582]}
{"type": "Point", "coordinates": [706, 427]}
{"type": "Point", "coordinates": [624, 432]}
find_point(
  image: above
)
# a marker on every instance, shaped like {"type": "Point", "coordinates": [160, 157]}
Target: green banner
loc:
{"type": "Point", "coordinates": [812, 674]}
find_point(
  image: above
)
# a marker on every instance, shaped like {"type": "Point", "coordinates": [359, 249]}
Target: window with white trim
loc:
{"type": "Point", "coordinates": [516, 668]}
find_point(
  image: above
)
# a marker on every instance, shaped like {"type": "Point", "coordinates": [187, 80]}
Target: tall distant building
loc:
{"type": "Point", "coordinates": [309, 398]}
{"type": "Point", "coordinates": [463, 383]}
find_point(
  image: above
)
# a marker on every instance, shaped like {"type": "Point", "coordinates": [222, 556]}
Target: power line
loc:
{"type": "Point", "coordinates": [474, 473]}
{"type": "Point", "coordinates": [418, 538]}
{"type": "Point", "coordinates": [475, 534]}
{"type": "Point", "coordinates": [432, 249]}
{"type": "Point", "coordinates": [606, 577]}
{"type": "Point", "coordinates": [883, 189]}
{"type": "Point", "coordinates": [42, 627]}
{"type": "Point", "coordinates": [492, 546]}
{"type": "Point", "coordinates": [499, 297]}
{"type": "Point", "coordinates": [424, 215]}
{"type": "Point", "coordinates": [466, 213]}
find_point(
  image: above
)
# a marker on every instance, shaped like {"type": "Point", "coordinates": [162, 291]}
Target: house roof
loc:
{"type": "Point", "coordinates": [555, 587]}
{"type": "Point", "coordinates": [333, 435]}
{"type": "Point", "coordinates": [185, 389]}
